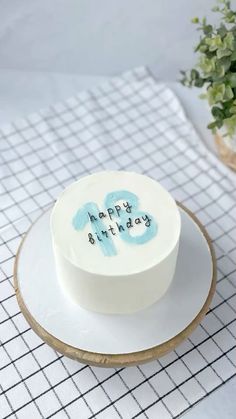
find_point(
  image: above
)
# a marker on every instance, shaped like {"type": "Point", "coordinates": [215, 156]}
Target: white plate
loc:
{"type": "Point", "coordinates": [45, 305]}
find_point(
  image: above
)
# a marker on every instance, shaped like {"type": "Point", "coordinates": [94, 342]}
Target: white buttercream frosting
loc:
{"type": "Point", "coordinates": [130, 258]}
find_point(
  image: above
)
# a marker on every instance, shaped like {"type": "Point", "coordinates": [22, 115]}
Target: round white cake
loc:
{"type": "Point", "coordinates": [115, 237]}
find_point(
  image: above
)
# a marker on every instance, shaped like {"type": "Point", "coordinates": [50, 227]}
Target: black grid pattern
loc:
{"type": "Point", "coordinates": [134, 123]}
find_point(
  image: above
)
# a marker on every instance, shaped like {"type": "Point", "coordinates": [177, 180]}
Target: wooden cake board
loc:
{"type": "Point", "coordinates": [121, 359]}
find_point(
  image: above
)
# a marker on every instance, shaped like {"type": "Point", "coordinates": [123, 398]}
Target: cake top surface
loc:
{"type": "Point", "coordinates": [115, 223]}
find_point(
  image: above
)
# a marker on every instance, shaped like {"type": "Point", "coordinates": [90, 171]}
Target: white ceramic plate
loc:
{"type": "Point", "coordinates": [40, 294]}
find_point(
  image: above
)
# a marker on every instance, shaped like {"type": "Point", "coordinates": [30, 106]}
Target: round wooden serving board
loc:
{"type": "Point", "coordinates": [119, 359]}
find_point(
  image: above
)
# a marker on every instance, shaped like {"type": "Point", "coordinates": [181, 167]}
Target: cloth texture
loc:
{"type": "Point", "coordinates": [132, 122]}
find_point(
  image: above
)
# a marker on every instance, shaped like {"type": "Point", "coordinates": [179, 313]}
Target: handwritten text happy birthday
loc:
{"type": "Point", "coordinates": [112, 213]}
{"type": "Point", "coordinates": [121, 218]}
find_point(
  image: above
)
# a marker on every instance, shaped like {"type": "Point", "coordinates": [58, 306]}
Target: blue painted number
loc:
{"type": "Point", "coordinates": [89, 213]}
{"type": "Point", "coordinates": [130, 197]}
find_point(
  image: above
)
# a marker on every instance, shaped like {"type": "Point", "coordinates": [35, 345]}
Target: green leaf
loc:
{"type": "Point", "coordinates": [225, 62]}
{"type": "Point", "coordinates": [199, 82]}
{"type": "Point", "coordinates": [222, 31]}
{"type": "Point", "coordinates": [186, 79]}
{"type": "Point", "coordinates": [227, 113]}
{"type": "Point", "coordinates": [232, 110]}
{"type": "Point", "coordinates": [228, 93]}
{"type": "Point", "coordinates": [230, 124]}
{"type": "Point", "coordinates": [228, 41]}
{"type": "Point", "coordinates": [228, 104]}
{"type": "Point", "coordinates": [220, 71]}
{"type": "Point", "coordinates": [210, 55]}
{"type": "Point", "coordinates": [194, 74]}
{"type": "Point", "coordinates": [195, 20]}
{"type": "Point", "coordinates": [223, 53]}
{"type": "Point", "coordinates": [214, 43]}
{"type": "Point", "coordinates": [219, 123]}
{"type": "Point", "coordinates": [197, 47]}
{"type": "Point", "coordinates": [216, 93]}
{"type": "Point", "coordinates": [202, 48]}
{"type": "Point", "coordinates": [230, 17]}
{"type": "Point", "coordinates": [207, 65]}
{"type": "Point", "coordinates": [217, 112]}
{"type": "Point", "coordinates": [212, 126]}
{"type": "Point", "coordinates": [232, 79]}
{"type": "Point", "coordinates": [233, 56]}
{"type": "Point", "coordinates": [207, 29]}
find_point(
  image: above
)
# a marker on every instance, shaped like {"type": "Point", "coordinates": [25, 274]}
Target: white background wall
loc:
{"type": "Point", "coordinates": [99, 37]}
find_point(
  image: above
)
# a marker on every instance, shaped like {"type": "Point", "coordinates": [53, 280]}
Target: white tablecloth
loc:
{"type": "Point", "coordinates": [135, 123]}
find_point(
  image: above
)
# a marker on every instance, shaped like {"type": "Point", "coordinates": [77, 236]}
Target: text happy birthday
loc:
{"type": "Point", "coordinates": [118, 227]}
{"type": "Point", "coordinates": [123, 218]}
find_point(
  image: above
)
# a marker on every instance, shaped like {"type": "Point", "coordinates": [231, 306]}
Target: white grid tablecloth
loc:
{"type": "Point", "coordinates": [131, 122]}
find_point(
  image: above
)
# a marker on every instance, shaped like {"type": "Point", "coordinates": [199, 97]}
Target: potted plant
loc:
{"type": "Point", "coordinates": [216, 73]}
